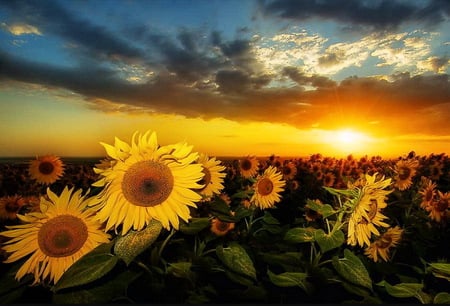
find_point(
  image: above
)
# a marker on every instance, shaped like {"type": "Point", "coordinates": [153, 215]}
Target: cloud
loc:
{"type": "Point", "coordinates": [54, 19]}
{"type": "Point", "coordinates": [20, 29]}
{"type": "Point", "coordinates": [377, 15]}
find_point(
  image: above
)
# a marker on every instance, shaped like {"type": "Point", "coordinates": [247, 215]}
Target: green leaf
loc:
{"type": "Point", "coordinates": [135, 242]}
{"type": "Point", "coordinates": [352, 269]}
{"type": "Point", "coordinates": [442, 298]}
{"type": "Point", "coordinates": [290, 261]}
{"type": "Point", "coordinates": [324, 209]}
{"type": "Point", "coordinates": [235, 258]}
{"type": "Point", "coordinates": [181, 269]}
{"type": "Point", "coordinates": [402, 290]}
{"type": "Point", "coordinates": [355, 289]}
{"type": "Point", "coordinates": [269, 219]}
{"type": "Point", "coordinates": [238, 278]}
{"type": "Point", "coordinates": [289, 279]}
{"type": "Point", "coordinates": [105, 292]}
{"type": "Point", "coordinates": [329, 241]}
{"type": "Point", "coordinates": [441, 270]}
{"type": "Point", "coordinates": [299, 235]}
{"type": "Point", "coordinates": [194, 226]}
{"type": "Point", "coordinates": [88, 268]}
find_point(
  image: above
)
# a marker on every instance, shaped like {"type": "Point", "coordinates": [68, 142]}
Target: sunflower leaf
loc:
{"type": "Point", "coordinates": [352, 269]}
{"type": "Point", "coordinates": [88, 268]}
{"type": "Point", "coordinates": [135, 242]}
{"type": "Point", "coordinates": [300, 234]}
{"type": "Point", "coordinates": [194, 225]}
{"type": "Point", "coordinates": [329, 241]}
{"type": "Point", "coordinates": [289, 279]}
{"type": "Point", "coordinates": [442, 298]}
{"type": "Point", "coordinates": [324, 209]}
{"type": "Point", "coordinates": [236, 259]}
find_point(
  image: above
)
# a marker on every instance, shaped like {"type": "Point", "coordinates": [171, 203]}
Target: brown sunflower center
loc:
{"type": "Point", "coordinates": [404, 173]}
{"type": "Point", "coordinates": [12, 206]}
{"type": "Point", "coordinates": [429, 194]}
{"type": "Point", "coordinates": [384, 242]}
{"type": "Point", "coordinates": [373, 209]}
{"type": "Point", "coordinates": [246, 164]}
{"type": "Point", "coordinates": [46, 167]}
{"type": "Point", "coordinates": [287, 170]}
{"type": "Point", "coordinates": [222, 226]}
{"type": "Point", "coordinates": [147, 183]}
{"type": "Point", "coordinates": [441, 205]}
{"type": "Point", "coordinates": [62, 236]}
{"type": "Point", "coordinates": [265, 186]}
{"type": "Point", "coordinates": [206, 178]}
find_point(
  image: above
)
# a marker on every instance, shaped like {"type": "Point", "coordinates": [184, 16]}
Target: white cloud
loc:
{"type": "Point", "coordinates": [20, 29]}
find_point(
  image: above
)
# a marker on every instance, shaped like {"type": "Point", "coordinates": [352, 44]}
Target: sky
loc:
{"type": "Point", "coordinates": [230, 78]}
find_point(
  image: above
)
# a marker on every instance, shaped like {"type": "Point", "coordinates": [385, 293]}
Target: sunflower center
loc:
{"type": "Point", "coordinates": [46, 167]}
{"type": "Point", "coordinates": [246, 164]}
{"type": "Point", "coordinates": [206, 178]}
{"type": "Point", "coordinates": [287, 170]}
{"type": "Point", "coordinates": [222, 226]}
{"type": "Point", "coordinates": [265, 186]}
{"type": "Point", "coordinates": [429, 195]}
{"type": "Point", "coordinates": [441, 205]}
{"type": "Point", "coordinates": [12, 206]}
{"type": "Point", "coordinates": [384, 242]}
{"type": "Point", "coordinates": [404, 173]}
{"type": "Point", "coordinates": [147, 183]}
{"type": "Point", "coordinates": [62, 236]}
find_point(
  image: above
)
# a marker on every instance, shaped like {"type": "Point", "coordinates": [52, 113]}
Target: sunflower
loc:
{"type": "Point", "coordinates": [427, 191]}
{"type": "Point", "coordinates": [55, 238]}
{"type": "Point", "coordinates": [10, 206]}
{"type": "Point", "coordinates": [248, 166]}
{"type": "Point", "coordinates": [46, 169]}
{"type": "Point", "coordinates": [221, 228]}
{"type": "Point", "coordinates": [367, 206]}
{"type": "Point", "coordinates": [146, 181]}
{"type": "Point", "coordinates": [439, 207]}
{"type": "Point", "coordinates": [214, 176]}
{"type": "Point", "coordinates": [289, 170]}
{"type": "Point", "coordinates": [312, 215]}
{"type": "Point", "coordinates": [404, 172]}
{"type": "Point", "coordinates": [383, 244]}
{"type": "Point", "coordinates": [328, 179]}
{"type": "Point", "coordinates": [267, 188]}
{"type": "Point", "coordinates": [436, 170]}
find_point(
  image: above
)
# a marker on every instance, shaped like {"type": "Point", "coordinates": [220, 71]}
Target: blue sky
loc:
{"type": "Point", "coordinates": [378, 67]}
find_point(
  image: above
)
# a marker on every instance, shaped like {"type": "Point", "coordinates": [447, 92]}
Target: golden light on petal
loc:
{"type": "Point", "coordinates": [147, 183]}
{"type": "Point", "coordinates": [55, 237]}
{"type": "Point", "coordinates": [382, 246]}
{"type": "Point", "coordinates": [62, 236]}
{"type": "Point", "coordinates": [214, 175]}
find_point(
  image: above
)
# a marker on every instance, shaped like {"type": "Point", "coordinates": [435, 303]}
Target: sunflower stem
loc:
{"type": "Point", "coordinates": [172, 232]}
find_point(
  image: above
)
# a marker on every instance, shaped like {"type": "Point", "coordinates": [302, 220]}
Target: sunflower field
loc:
{"type": "Point", "coordinates": [153, 223]}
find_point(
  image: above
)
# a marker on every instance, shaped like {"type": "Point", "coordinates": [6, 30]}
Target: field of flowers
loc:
{"type": "Point", "coordinates": [155, 223]}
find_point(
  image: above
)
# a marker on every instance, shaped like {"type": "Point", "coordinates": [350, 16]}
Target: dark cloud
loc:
{"type": "Point", "coordinates": [296, 75]}
{"type": "Point", "coordinates": [52, 18]}
{"type": "Point", "coordinates": [238, 95]}
{"type": "Point", "coordinates": [382, 14]}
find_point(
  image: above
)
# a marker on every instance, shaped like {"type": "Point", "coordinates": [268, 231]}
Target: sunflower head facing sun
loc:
{"type": "Point", "coordinates": [248, 166]}
{"type": "Point", "coordinates": [146, 181]}
{"type": "Point", "coordinates": [267, 188]}
{"type": "Point", "coordinates": [46, 169]}
{"type": "Point", "coordinates": [55, 238]}
{"type": "Point", "coordinates": [213, 178]}
{"type": "Point", "coordinates": [381, 247]}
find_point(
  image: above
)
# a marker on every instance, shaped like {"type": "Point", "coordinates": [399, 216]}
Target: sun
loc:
{"type": "Point", "coordinates": [348, 141]}
{"type": "Point", "coordinates": [348, 136]}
